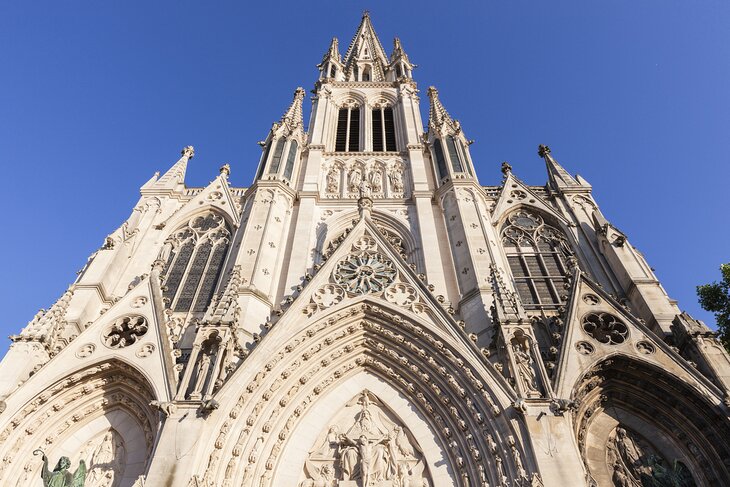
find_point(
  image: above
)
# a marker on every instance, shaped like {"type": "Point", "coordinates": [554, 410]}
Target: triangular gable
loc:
{"type": "Point", "coordinates": [516, 194]}
{"type": "Point", "coordinates": [394, 282]}
{"type": "Point", "coordinates": [582, 348]}
{"type": "Point", "coordinates": [149, 352]}
{"type": "Point", "coordinates": [216, 195]}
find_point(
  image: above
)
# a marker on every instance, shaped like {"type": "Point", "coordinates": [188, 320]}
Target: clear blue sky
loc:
{"type": "Point", "coordinates": [97, 96]}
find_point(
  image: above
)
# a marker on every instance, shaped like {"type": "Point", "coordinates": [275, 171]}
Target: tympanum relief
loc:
{"type": "Point", "coordinates": [365, 446]}
{"type": "Point", "coordinates": [635, 462]}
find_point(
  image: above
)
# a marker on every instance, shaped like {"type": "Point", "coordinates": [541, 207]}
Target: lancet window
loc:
{"type": "Point", "coordinates": [537, 254]}
{"type": "Point", "coordinates": [456, 163]}
{"type": "Point", "coordinates": [440, 160]}
{"type": "Point", "coordinates": [194, 257]}
{"type": "Point", "coordinates": [289, 168]}
{"type": "Point", "coordinates": [348, 130]}
{"type": "Point", "coordinates": [383, 126]}
{"type": "Point", "coordinates": [276, 158]}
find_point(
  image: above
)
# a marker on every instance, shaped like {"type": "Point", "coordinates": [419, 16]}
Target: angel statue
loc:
{"type": "Point", "coordinates": [60, 476]}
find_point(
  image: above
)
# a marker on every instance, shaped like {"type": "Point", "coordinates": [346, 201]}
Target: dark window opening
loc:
{"type": "Point", "coordinates": [289, 168]}
{"type": "Point", "coordinates": [453, 155]}
{"type": "Point", "coordinates": [276, 158]}
{"type": "Point", "coordinates": [440, 161]}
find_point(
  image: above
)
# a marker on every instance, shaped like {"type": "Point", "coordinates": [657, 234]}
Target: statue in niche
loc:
{"type": "Point", "coordinates": [355, 179]}
{"type": "Point", "coordinates": [333, 183]}
{"type": "Point", "coordinates": [376, 179]}
{"type": "Point", "coordinates": [366, 447]}
{"type": "Point", "coordinates": [396, 180]}
{"type": "Point", "coordinates": [636, 463]}
{"type": "Point", "coordinates": [60, 476]}
{"type": "Point", "coordinates": [208, 351]}
{"type": "Point", "coordinates": [525, 365]}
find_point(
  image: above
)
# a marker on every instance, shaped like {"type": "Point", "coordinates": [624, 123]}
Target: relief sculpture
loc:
{"type": "Point", "coordinates": [366, 446]}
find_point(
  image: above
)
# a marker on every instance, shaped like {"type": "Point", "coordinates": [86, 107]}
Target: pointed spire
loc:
{"type": "Point", "coordinates": [365, 50]}
{"type": "Point", "coordinates": [559, 177]}
{"type": "Point", "coordinates": [293, 117]}
{"type": "Point", "coordinates": [398, 51]}
{"type": "Point", "coordinates": [176, 174]}
{"type": "Point", "coordinates": [438, 117]}
{"type": "Point", "coordinates": [332, 54]}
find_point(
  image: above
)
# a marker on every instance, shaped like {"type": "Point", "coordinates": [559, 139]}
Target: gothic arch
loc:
{"type": "Point", "coordinates": [98, 408]}
{"type": "Point", "coordinates": [296, 370]}
{"type": "Point", "coordinates": [357, 95]}
{"type": "Point", "coordinates": [631, 414]}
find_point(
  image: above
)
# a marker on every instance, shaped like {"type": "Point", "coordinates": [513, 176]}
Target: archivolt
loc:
{"type": "Point", "coordinates": [625, 388]}
{"type": "Point", "coordinates": [68, 404]}
{"type": "Point", "coordinates": [442, 385]}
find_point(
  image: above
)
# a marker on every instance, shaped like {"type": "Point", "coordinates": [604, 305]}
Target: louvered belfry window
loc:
{"type": "Point", "coordinates": [348, 130]}
{"type": "Point", "coordinates": [537, 254]}
{"type": "Point", "coordinates": [383, 130]}
{"type": "Point", "coordinates": [454, 155]}
{"type": "Point", "coordinates": [194, 257]}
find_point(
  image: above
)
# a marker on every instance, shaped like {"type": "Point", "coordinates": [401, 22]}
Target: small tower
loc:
{"type": "Point", "coordinates": [400, 66]}
{"type": "Point", "coordinates": [447, 140]}
{"type": "Point", "coordinates": [331, 67]}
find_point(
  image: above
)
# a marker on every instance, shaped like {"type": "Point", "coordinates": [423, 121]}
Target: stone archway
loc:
{"type": "Point", "coordinates": [100, 414]}
{"type": "Point", "coordinates": [289, 376]}
{"type": "Point", "coordinates": [637, 424]}
{"type": "Point", "coordinates": [422, 457]}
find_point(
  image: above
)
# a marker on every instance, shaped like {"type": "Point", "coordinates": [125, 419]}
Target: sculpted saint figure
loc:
{"type": "Point", "coordinates": [524, 367]}
{"type": "Point", "coordinates": [60, 476]}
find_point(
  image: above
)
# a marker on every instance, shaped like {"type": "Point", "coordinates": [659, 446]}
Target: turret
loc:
{"type": "Point", "coordinates": [331, 67]}
{"type": "Point", "coordinates": [283, 143]}
{"type": "Point", "coordinates": [448, 143]}
{"type": "Point", "coordinates": [400, 66]}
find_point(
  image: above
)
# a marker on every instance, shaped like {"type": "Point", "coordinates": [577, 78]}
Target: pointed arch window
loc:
{"type": "Point", "coordinates": [366, 74]}
{"type": "Point", "coordinates": [333, 71]}
{"type": "Point", "coordinates": [537, 254]}
{"type": "Point", "coordinates": [194, 257]}
{"type": "Point", "coordinates": [276, 158]}
{"type": "Point", "coordinates": [289, 168]}
{"type": "Point", "coordinates": [456, 164]}
{"type": "Point", "coordinates": [440, 161]}
{"type": "Point", "coordinates": [383, 126]}
{"type": "Point", "coordinates": [348, 130]}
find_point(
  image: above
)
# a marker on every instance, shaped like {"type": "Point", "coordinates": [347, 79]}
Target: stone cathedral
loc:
{"type": "Point", "coordinates": [365, 314]}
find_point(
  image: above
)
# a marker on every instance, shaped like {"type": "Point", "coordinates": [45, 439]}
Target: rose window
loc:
{"type": "Point", "coordinates": [365, 273]}
{"type": "Point", "coordinates": [605, 328]}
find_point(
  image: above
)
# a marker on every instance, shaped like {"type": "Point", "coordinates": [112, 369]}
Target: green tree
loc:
{"type": "Point", "coordinates": [715, 297]}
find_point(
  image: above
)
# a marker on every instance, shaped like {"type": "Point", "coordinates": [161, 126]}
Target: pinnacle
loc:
{"type": "Point", "coordinates": [557, 175]}
{"type": "Point", "coordinates": [293, 117]}
{"type": "Point", "coordinates": [176, 174]}
{"type": "Point", "coordinates": [437, 115]}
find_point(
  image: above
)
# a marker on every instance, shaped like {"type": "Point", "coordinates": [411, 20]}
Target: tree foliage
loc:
{"type": "Point", "coordinates": [715, 297]}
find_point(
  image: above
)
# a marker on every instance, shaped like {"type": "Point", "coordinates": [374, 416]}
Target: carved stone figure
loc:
{"type": "Point", "coordinates": [60, 476]}
{"type": "Point", "coordinates": [525, 368]}
{"type": "Point", "coordinates": [372, 451]}
{"type": "Point", "coordinates": [355, 177]}
{"type": "Point", "coordinates": [376, 179]}
{"type": "Point", "coordinates": [396, 180]}
{"type": "Point", "coordinates": [333, 180]}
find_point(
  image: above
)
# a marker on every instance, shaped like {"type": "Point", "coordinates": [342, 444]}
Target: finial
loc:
{"type": "Point", "coordinates": [506, 168]}
{"type": "Point", "coordinates": [433, 92]}
{"type": "Point", "coordinates": [225, 170]}
{"type": "Point", "coordinates": [543, 150]}
{"type": "Point", "coordinates": [188, 152]}
{"type": "Point", "coordinates": [365, 13]}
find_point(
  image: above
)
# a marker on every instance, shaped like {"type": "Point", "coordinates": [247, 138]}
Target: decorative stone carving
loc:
{"type": "Point", "coordinates": [366, 445]}
{"type": "Point", "coordinates": [585, 348]}
{"type": "Point", "coordinates": [106, 458]}
{"type": "Point", "coordinates": [125, 331]}
{"type": "Point", "coordinates": [333, 180]}
{"type": "Point", "coordinates": [367, 272]}
{"type": "Point", "coordinates": [401, 294]}
{"type": "Point", "coordinates": [591, 299]}
{"type": "Point", "coordinates": [85, 350]}
{"type": "Point", "coordinates": [145, 350]}
{"type": "Point", "coordinates": [524, 364]}
{"type": "Point", "coordinates": [636, 462]}
{"type": "Point", "coordinates": [605, 328]}
{"type": "Point", "coordinates": [328, 295]}
{"type": "Point", "coordinates": [645, 347]}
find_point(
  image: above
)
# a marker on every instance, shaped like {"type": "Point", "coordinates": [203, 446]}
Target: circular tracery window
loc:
{"type": "Point", "coordinates": [125, 331]}
{"type": "Point", "coordinates": [605, 328]}
{"type": "Point", "coordinates": [365, 273]}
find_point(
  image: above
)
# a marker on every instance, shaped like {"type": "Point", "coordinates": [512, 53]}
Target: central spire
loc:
{"type": "Point", "coordinates": [365, 59]}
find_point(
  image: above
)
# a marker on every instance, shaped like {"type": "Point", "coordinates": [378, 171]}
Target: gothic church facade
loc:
{"type": "Point", "coordinates": [365, 314]}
